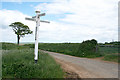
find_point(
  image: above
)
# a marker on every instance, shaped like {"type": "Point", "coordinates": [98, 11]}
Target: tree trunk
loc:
{"type": "Point", "coordinates": [18, 39]}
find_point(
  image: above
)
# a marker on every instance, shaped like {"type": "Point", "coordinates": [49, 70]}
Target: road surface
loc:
{"type": "Point", "coordinates": [87, 68]}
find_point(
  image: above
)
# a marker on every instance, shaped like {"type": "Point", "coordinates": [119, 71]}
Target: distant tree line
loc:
{"type": "Point", "coordinates": [110, 44]}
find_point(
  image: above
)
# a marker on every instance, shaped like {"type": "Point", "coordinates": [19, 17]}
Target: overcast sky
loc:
{"type": "Point", "coordinates": [71, 20]}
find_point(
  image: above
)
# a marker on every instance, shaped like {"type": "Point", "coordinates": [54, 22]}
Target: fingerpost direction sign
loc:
{"type": "Point", "coordinates": [37, 20]}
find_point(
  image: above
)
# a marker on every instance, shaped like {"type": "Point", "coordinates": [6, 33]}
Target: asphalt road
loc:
{"type": "Point", "coordinates": [100, 69]}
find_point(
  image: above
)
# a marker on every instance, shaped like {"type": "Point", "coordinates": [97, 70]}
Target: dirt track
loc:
{"type": "Point", "coordinates": [86, 68]}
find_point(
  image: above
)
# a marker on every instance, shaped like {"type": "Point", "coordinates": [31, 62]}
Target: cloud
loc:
{"type": "Point", "coordinates": [53, 32]}
{"type": "Point", "coordinates": [54, 8]}
{"type": "Point", "coordinates": [87, 18]}
{"type": "Point", "coordinates": [26, 1]}
{"type": "Point", "coordinates": [10, 16]}
{"type": "Point", "coordinates": [83, 20]}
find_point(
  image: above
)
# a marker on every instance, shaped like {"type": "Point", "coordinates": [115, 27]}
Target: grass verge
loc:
{"type": "Point", "coordinates": [111, 57]}
{"type": "Point", "coordinates": [19, 63]}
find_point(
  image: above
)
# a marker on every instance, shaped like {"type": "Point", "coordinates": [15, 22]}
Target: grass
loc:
{"type": "Point", "coordinates": [0, 62]}
{"type": "Point", "coordinates": [109, 53]}
{"type": "Point", "coordinates": [19, 63]}
{"type": "Point", "coordinates": [66, 48]}
{"type": "Point", "coordinates": [111, 57]}
{"type": "Point", "coordinates": [11, 46]}
{"type": "Point", "coordinates": [108, 50]}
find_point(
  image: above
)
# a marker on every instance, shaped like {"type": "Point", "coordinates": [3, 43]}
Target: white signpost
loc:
{"type": "Point", "coordinates": [37, 19]}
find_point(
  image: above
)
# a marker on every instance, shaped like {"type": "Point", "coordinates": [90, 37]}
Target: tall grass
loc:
{"type": "Point", "coordinates": [108, 50]}
{"type": "Point", "coordinates": [73, 49]}
{"type": "Point", "coordinates": [11, 46]}
{"type": "Point", "coordinates": [111, 57]}
{"type": "Point", "coordinates": [19, 63]}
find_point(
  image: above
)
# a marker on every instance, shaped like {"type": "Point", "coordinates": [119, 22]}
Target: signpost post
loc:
{"type": "Point", "coordinates": [37, 20]}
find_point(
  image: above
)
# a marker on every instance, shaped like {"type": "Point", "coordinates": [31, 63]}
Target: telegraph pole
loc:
{"type": "Point", "coordinates": [37, 20]}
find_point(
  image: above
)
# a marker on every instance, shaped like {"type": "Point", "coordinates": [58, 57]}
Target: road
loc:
{"type": "Point", "coordinates": [88, 68]}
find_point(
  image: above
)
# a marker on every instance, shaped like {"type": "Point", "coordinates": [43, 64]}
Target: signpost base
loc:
{"type": "Point", "coordinates": [36, 61]}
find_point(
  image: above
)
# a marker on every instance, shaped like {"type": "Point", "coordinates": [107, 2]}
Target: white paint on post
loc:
{"type": "Point", "coordinates": [37, 35]}
{"type": "Point", "coordinates": [37, 19]}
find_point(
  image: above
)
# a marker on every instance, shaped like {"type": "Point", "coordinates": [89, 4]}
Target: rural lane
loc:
{"type": "Point", "coordinates": [88, 68]}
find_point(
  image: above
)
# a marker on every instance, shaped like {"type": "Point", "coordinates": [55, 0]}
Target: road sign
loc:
{"type": "Point", "coordinates": [32, 19]}
{"type": "Point", "coordinates": [37, 19]}
{"type": "Point", "coordinates": [44, 21]}
{"type": "Point", "coordinates": [43, 14]}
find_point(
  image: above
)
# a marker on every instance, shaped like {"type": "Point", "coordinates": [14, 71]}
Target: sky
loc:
{"type": "Point", "coordinates": [70, 20]}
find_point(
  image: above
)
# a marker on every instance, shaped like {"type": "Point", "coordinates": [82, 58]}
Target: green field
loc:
{"type": "Point", "coordinates": [111, 57]}
{"type": "Point", "coordinates": [108, 50]}
{"type": "Point", "coordinates": [109, 53]}
{"type": "Point", "coordinates": [74, 49]}
{"type": "Point", "coordinates": [18, 62]}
